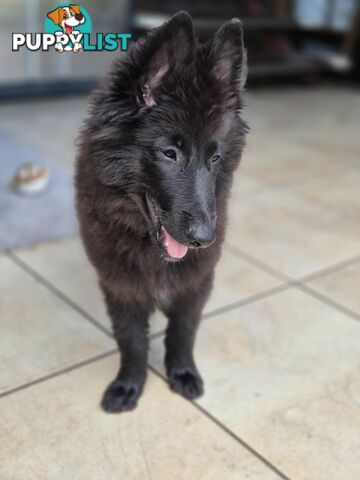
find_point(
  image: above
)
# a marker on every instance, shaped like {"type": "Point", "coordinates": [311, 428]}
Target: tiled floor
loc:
{"type": "Point", "coordinates": [279, 346]}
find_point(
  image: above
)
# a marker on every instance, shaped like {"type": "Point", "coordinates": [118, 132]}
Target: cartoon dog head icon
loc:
{"type": "Point", "coordinates": [67, 17]}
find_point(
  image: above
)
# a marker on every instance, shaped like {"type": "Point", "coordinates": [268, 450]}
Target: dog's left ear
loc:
{"type": "Point", "coordinates": [54, 15]}
{"type": "Point", "coordinates": [227, 55]}
{"type": "Point", "coordinates": [168, 47]}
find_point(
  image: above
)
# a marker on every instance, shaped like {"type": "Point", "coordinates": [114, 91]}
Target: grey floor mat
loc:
{"type": "Point", "coordinates": [26, 220]}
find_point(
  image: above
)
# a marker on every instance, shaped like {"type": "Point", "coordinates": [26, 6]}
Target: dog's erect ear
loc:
{"type": "Point", "coordinates": [54, 15]}
{"type": "Point", "coordinates": [170, 46]}
{"type": "Point", "coordinates": [76, 8]}
{"type": "Point", "coordinates": [227, 54]}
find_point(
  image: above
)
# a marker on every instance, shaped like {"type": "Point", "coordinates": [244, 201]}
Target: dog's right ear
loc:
{"type": "Point", "coordinates": [76, 8]}
{"type": "Point", "coordinates": [54, 15]}
{"type": "Point", "coordinates": [170, 46]}
{"type": "Point", "coordinates": [227, 55]}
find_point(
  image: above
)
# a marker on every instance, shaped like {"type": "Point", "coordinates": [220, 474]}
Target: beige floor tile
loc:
{"type": "Point", "coordinates": [339, 191]}
{"type": "Point", "coordinates": [55, 430]}
{"type": "Point", "coordinates": [342, 286]}
{"type": "Point", "coordinates": [322, 119]}
{"type": "Point", "coordinates": [244, 185]}
{"type": "Point", "coordinates": [64, 264]}
{"type": "Point", "coordinates": [283, 374]}
{"type": "Point", "coordinates": [40, 333]}
{"type": "Point", "coordinates": [346, 146]}
{"type": "Point", "coordinates": [236, 279]}
{"type": "Point", "coordinates": [335, 128]}
{"type": "Point", "coordinates": [291, 111]}
{"type": "Point", "coordinates": [291, 233]}
{"type": "Point", "coordinates": [288, 161]}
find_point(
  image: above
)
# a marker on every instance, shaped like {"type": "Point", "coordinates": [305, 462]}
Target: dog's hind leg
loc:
{"type": "Point", "coordinates": [184, 316]}
{"type": "Point", "coordinates": [130, 326]}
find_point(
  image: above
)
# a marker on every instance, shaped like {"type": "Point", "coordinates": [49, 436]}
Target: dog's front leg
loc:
{"type": "Point", "coordinates": [77, 45]}
{"type": "Point", "coordinates": [184, 316]}
{"type": "Point", "coordinates": [59, 47]}
{"type": "Point", "coordinates": [130, 325]}
{"type": "Point", "coordinates": [58, 43]}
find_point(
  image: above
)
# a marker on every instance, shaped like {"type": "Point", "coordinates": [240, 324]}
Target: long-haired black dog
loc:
{"type": "Point", "coordinates": [154, 170]}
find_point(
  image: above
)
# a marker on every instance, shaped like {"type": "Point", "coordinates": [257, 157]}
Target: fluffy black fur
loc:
{"type": "Point", "coordinates": [157, 154]}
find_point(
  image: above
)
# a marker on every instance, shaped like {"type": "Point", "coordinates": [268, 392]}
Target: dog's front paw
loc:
{"type": "Point", "coordinates": [186, 381]}
{"type": "Point", "coordinates": [59, 47]}
{"type": "Point", "coordinates": [77, 47]}
{"type": "Point", "coordinates": [121, 395]}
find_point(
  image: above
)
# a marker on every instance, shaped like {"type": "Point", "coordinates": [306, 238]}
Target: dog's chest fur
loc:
{"type": "Point", "coordinates": [162, 298]}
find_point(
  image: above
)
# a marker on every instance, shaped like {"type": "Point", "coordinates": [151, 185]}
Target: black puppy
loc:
{"type": "Point", "coordinates": [154, 170]}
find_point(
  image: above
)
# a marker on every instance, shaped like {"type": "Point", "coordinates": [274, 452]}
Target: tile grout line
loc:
{"type": "Point", "coordinates": [238, 304]}
{"type": "Point", "coordinates": [317, 273]}
{"type": "Point", "coordinates": [109, 353]}
{"type": "Point", "coordinates": [58, 293]}
{"type": "Point", "coordinates": [258, 263]}
{"type": "Point", "coordinates": [83, 363]}
{"type": "Point", "coordinates": [245, 301]}
{"type": "Point", "coordinates": [336, 267]}
{"type": "Point", "coordinates": [248, 300]}
{"type": "Point", "coordinates": [242, 442]}
{"type": "Point", "coordinates": [60, 372]}
{"type": "Point", "coordinates": [157, 334]}
{"type": "Point", "coordinates": [290, 185]}
{"type": "Point", "coordinates": [235, 305]}
{"type": "Point", "coordinates": [289, 283]}
{"type": "Point", "coordinates": [328, 301]}
{"type": "Point", "coordinates": [227, 430]}
{"type": "Point", "coordinates": [299, 284]}
{"type": "Point", "coordinates": [37, 276]}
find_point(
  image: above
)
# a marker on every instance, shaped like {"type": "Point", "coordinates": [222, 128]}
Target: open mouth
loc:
{"type": "Point", "coordinates": [173, 248]}
{"type": "Point", "coordinates": [68, 28]}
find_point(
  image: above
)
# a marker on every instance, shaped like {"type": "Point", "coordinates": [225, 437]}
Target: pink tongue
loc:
{"type": "Point", "coordinates": [174, 248]}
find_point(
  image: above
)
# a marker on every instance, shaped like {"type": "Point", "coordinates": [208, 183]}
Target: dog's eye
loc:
{"type": "Point", "coordinates": [215, 158]}
{"type": "Point", "coordinates": [170, 153]}
{"type": "Point", "coordinates": [65, 15]}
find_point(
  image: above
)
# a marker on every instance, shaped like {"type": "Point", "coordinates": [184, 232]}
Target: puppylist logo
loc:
{"type": "Point", "coordinates": [68, 29]}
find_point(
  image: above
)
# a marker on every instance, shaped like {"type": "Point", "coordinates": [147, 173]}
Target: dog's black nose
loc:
{"type": "Point", "coordinates": [201, 235]}
{"type": "Point", "coordinates": [79, 16]}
